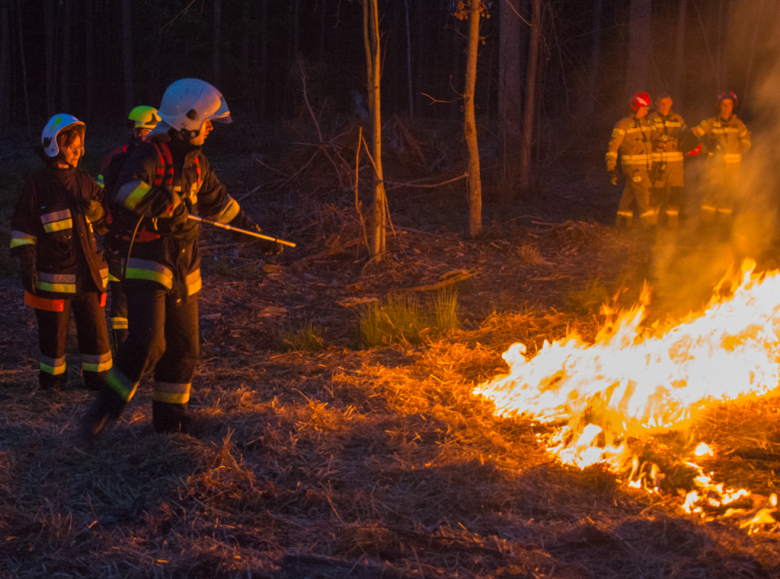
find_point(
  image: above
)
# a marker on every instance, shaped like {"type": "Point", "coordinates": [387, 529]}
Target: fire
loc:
{"type": "Point", "coordinates": [635, 380]}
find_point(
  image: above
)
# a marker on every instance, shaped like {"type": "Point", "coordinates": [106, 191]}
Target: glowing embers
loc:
{"type": "Point", "coordinates": [635, 380]}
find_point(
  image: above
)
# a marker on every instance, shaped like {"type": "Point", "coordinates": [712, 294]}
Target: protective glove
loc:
{"type": "Point", "coordinates": [28, 272]}
{"type": "Point", "coordinates": [180, 214]}
{"type": "Point", "coordinates": [90, 208]}
{"type": "Point", "coordinates": [613, 176]}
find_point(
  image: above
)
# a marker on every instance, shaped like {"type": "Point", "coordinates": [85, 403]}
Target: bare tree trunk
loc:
{"type": "Point", "coordinates": [5, 67]}
{"type": "Point", "coordinates": [679, 60]}
{"type": "Point", "coordinates": [65, 57]}
{"type": "Point", "coordinates": [215, 53]}
{"type": "Point", "coordinates": [470, 124]}
{"type": "Point", "coordinates": [409, 60]}
{"type": "Point", "coordinates": [592, 94]}
{"type": "Point", "coordinates": [529, 109]}
{"type": "Point", "coordinates": [509, 84]}
{"type": "Point", "coordinates": [639, 45]}
{"type": "Point", "coordinates": [23, 61]}
{"type": "Point", "coordinates": [49, 45]}
{"type": "Point", "coordinates": [262, 66]}
{"type": "Point", "coordinates": [323, 22]}
{"type": "Point", "coordinates": [127, 54]}
{"type": "Point", "coordinates": [759, 21]}
{"type": "Point", "coordinates": [89, 54]}
{"type": "Point", "coordinates": [373, 62]}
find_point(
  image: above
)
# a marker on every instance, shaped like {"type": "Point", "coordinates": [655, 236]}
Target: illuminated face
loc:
{"type": "Point", "coordinates": [204, 132]}
{"type": "Point", "coordinates": [665, 105]}
{"type": "Point", "coordinates": [726, 108]}
{"type": "Point", "coordinates": [142, 133]}
{"type": "Point", "coordinates": [71, 153]}
{"type": "Point", "coordinates": [642, 112]}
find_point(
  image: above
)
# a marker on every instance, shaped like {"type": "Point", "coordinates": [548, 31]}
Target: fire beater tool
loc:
{"type": "Point", "coordinates": [244, 231]}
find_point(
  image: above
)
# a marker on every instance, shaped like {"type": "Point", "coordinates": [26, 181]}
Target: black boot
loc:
{"type": "Point", "coordinates": [108, 405]}
{"type": "Point", "coordinates": [167, 417]}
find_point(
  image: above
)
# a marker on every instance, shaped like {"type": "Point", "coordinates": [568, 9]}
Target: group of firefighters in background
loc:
{"type": "Point", "coordinates": [652, 149]}
{"type": "Point", "coordinates": [148, 201]}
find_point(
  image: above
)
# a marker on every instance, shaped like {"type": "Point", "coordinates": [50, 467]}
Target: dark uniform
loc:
{"type": "Point", "coordinates": [63, 270]}
{"type": "Point", "coordinates": [667, 172]}
{"type": "Point", "coordinates": [109, 174]}
{"type": "Point", "coordinates": [161, 183]}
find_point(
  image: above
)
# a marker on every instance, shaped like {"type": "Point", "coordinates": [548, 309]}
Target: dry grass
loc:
{"type": "Point", "coordinates": [357, 463]}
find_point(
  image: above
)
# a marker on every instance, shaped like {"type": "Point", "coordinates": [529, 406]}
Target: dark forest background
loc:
{"type": "Point", "coordinates": [98, 58]}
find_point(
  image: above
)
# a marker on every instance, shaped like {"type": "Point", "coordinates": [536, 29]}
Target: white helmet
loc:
{"type": "Point", "coordinates": [54, 127]}
{"type": "Point", "coordinates": [190, 102]}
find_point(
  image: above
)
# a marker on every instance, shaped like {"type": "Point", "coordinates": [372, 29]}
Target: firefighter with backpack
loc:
{"type": "Point", "coordinates": [166, 179]}
{"type": "Point", "coordinates": [141, 120]}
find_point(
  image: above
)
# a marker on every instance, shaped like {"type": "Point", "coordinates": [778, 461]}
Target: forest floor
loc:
{"type": "Point", "coordinates": [338, 460]}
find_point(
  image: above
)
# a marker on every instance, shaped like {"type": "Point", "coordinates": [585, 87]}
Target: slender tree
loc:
{"type": "Point", "coordinates": [65, 52]}
{"type": "Point", "coordinates": [5, 67]}
{"type": "Point", "coordinates": [127, 54]}
{"type": "Point", "coordinates": [639, 45]}
{"type": "Point", "coordinates": [409, 60]}
{"type": "Point", "coordinates": [679, 53]}
{"type": "Point", "coordinates": [49, 44]}
{"type": "Point", "coordinates": [371, 43]}
{"type": "Point", "coordinates": [509, 84]}
{"type": "Point", "coordinates": [216, 56]}
{"type": "Point", "coordinates": [23, 62]}
{"type": "Point", "coordinates": [592, 94]}
{"type": "Point", "coordinates": [472, 11]}
{"type": "Point", "coordinates": [89, 54]}
{"type": "Point", "coordinates": [529, 108]}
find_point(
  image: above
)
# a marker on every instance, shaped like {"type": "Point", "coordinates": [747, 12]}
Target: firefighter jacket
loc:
{"type": "Point", "coordinates": [726, 142]}
{"type": "Point", "coordinates": [666, 135]}
{"type": "Point", "coordinates": [632, 138]}
{"type": "Point", "coordinates": [158, 186]}
{"type": "Point", "coordinates": [48, 227]}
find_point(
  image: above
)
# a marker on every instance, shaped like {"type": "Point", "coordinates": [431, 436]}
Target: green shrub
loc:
{"type": "Point", "coordinates": [401, 320]}
{"type": "Point", "coordinates": [446, 309]}
{"type": "Point", "coordinates": [306, 337]}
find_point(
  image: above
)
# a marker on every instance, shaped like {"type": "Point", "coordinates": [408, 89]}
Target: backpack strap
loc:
{"type": "Point", "coordinates": [165, 164]}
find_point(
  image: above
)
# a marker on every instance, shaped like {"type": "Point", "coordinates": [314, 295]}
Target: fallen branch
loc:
{"type": "Point", "coordinates": [451, 278]}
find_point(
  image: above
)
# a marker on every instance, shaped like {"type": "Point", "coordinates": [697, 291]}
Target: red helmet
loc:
{"type": "Point", "coordinates": [727, 94]}
{"type": "Point", "coordinates": [639, 100]}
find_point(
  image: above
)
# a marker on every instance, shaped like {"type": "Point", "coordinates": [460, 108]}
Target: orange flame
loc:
{"type": "Point", "coordinates": [635, 380]}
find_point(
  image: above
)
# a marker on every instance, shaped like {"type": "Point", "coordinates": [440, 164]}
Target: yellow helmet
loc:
{"type": "Point", "coordinates": [144, 117]}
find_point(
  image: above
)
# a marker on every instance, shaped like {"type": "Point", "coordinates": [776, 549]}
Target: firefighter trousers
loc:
{"type": "Point", "coordinates": [163, 335]}
{"type": "Point", "coordinates": [637, 191]}
{"type": "Point", "coordinates": [93, 341]}
{"type": "Point", "coordinates": [118, 315]}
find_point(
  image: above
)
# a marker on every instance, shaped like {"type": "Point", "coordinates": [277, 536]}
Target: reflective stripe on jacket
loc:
{"type": "Point", "coordinates": [632, 139]}
{"type": "Point", "coordinates": [155, 180]}
{"type": "Point", "coordinates": [45, 221]}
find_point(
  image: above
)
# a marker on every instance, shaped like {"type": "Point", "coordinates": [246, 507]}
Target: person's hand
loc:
{"type": "Point", "coordinates": [613, 176]}
{"type": "Point", "coordinates": [180, 214]}
{"type": "Point", "coordinates": [90, 208]}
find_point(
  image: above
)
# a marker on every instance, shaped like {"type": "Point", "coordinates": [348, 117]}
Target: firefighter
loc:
{"type": "Point", "coordinates": [166, 179]}
{"type": "Point", "coordinates": [141, 120]}
{"type": "Point", "coordinates": [632, 138]}
{"type": "Point", "coordinates": [666, 174]}
{"type": "Point", "coordinates": [62, 270]}
{"type": "Point", "coordinates": [725, 138]}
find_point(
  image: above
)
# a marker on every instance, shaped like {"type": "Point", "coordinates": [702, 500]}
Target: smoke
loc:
{"type": "Point", "coordinates": [687, 266]}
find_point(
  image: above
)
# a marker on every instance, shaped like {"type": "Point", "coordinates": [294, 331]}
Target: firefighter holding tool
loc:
{"type": "Point", "coordinates": [166, 179]}
{"type": "Point", "coordinates": [54, 224]}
